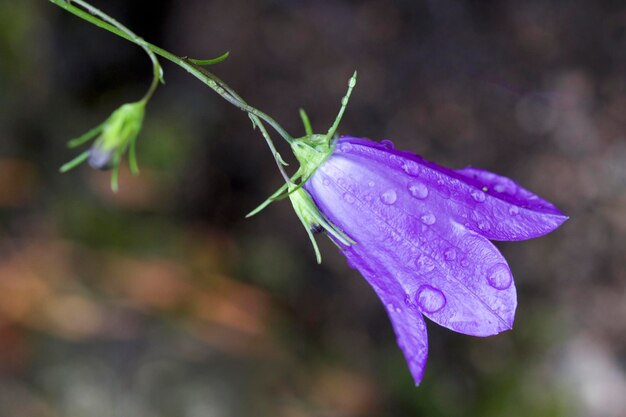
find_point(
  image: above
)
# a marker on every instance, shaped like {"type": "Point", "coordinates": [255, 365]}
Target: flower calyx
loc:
{"type": "Point", "coordinates": [113, 138]}
{"type": "Point", "coordinates": [311, 151]}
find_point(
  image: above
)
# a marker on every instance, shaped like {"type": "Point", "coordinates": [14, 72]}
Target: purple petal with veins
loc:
{"type": "Point", "coordinates": [422, 237]}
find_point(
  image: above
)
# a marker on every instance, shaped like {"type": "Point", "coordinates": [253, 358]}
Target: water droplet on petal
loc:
{"type": "Point", "coordinates": [499, 277]}
{"type": "Point", "coordinates": [430, 299]}
{"type": "Point", "coordinates": [349, 198]}
{"type": "Point", "coordinates": [464, 263]}
{"type": "Point", "coordinates": [484, 226]}
{"type": "Point", "coordinates": [418, 190]}
{"type": "Point", "coordinates": [478, 196]}
{"type": "Point", "coordinates": [424, 264]}
{"type": "Point", "coordinates": [500, 188]}
{"type": "Point", "coordinates": [387, 143]}
{"type": "Point", "coordinates": [428, 219]}
{"type": "Point", "coordinates": [371, 183]}
{"type": "Point", "coordinates": [341, 181]}
{"type": "Point", "coordinates": [345, 147]}
{"type": "Point", "coordinates": [326, 182]}
{"type": "Point", "coordinates": [408, 301]}
{"type": "Point", "coordinates": [411, 168]}
{"type": "Point", "coordinates": [391, 307]}
{"type": "Point", "coordinates": [368, 197]}
{"type": "Point", "coordinates": [449, 254]}
{"type": "Point", "coordinates": [389, 197]}
{"type": "Point", "coordinates": [513, 210]}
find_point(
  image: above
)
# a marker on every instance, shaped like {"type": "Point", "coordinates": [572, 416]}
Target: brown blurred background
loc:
{"type": "Point", "coordinates": [163, 300]}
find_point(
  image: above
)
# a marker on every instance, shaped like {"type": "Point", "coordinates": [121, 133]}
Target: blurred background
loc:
{"type": "Point", "coordinates": [163, 300]}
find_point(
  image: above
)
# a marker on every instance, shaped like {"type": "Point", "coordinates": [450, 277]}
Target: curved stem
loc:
{"type": "Point", "coordinates": [258, 123]}
{"type": "Point", "coordinates": [206, 77]}
{"type": "Point", "coordinates": [156, 67]}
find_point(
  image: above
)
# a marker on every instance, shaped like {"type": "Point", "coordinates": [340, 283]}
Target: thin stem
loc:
{"type": "Point", "coordinates": [207, 78]}
{"type": "Point", "coordinates": [156, 67]}
{"type": "Point", "coordinates": [256, 121]}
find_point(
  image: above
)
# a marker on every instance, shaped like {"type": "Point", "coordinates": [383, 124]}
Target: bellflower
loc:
{"type": "Point", "coordinates": [420, 234]}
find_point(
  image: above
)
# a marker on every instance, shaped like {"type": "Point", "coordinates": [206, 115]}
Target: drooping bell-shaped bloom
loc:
{"type": "Point", "coordinates": [421, 237]}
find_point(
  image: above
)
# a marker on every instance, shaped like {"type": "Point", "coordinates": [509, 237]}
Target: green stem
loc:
{"type": "Point", "coordinates": [257, 123]}
{"type": "Point", "coordinates": [206, 77]}
{"type": "Point", "coordinates": [130, 35]}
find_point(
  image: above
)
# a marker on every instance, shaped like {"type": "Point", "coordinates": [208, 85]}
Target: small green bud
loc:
{"type": "Point", "coordinates": [114, 137]}
{"type": "Point", "coordinates": [118, 133]}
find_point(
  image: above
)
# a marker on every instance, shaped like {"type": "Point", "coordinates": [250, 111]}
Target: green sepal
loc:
{"type": "Point", "coordinates": [86, 137]}
{"type": "Point", "coordinates": [74, 162]}
{"type": "Point", "coordinates": [312, 218]}
{"type": "Point", "coordinates": [268, 201]}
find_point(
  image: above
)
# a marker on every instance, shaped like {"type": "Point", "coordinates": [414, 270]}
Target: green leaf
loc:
{"type": "Point", "coordinates": [209, 61]}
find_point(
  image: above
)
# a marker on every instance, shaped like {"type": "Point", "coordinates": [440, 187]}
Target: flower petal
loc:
{"type": "Point", "coordinates": [453, 275]}
{"type": "Point", "coordinates": [492, 205]}
{"type": "Point", "coordinates": [514, 212]}
{"type": "Point", "coordinates": [406, 320]}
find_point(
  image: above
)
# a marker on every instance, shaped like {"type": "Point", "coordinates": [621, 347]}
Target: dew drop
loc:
{"type": "Point", "coordinates": [411, 168]}
{"type": "Point", "coordinates": [408, 301]}
{"type": "Point", "coordinates": [371, 183]}
{"type": "Point", "coordinates": [464, 263]}
{"type": "Point", "coordinates": [349, 198]}
{"type": "Point", "coordinates": [391, 307]}
{"type": "Point", "coordinates": [478, 196]}
{"type": "Point", "coordinates": [326, 182]}
{"type": "Point", "coordinates": [345, 147]}
{"type": "Point", "coordinates": [418, 190]}
{"type": "Point", "coordinates": [449, 254]}
{"type": "Point", "coordinates": [505, 186]}
{"type": "Point", "coordinates": [430, 299]}
{"type": "Point", "coordinates": [368, 197]}
{"type": "Point", "coordinates": [387, 143]}
{"type": "Point", "coordinates": [428, 219]}
{"type": "Point", "coordinates": [424, 264]}
{"type": "Point", "coordinates": [389, 197]}
{"type": "Point", "coordinates": [499, 276]}
{"type": "Point", "coordinates": [484, 226]}
{"type": "Point", "coordinates": [513, 210]}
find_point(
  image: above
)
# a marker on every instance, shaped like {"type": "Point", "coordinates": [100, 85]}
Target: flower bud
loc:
{"type": "Point", "coordinates": [118, 131]}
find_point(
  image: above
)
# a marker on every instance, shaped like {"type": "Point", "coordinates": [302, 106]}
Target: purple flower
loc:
{"type": "Point", "coordinates": [421, 237]}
